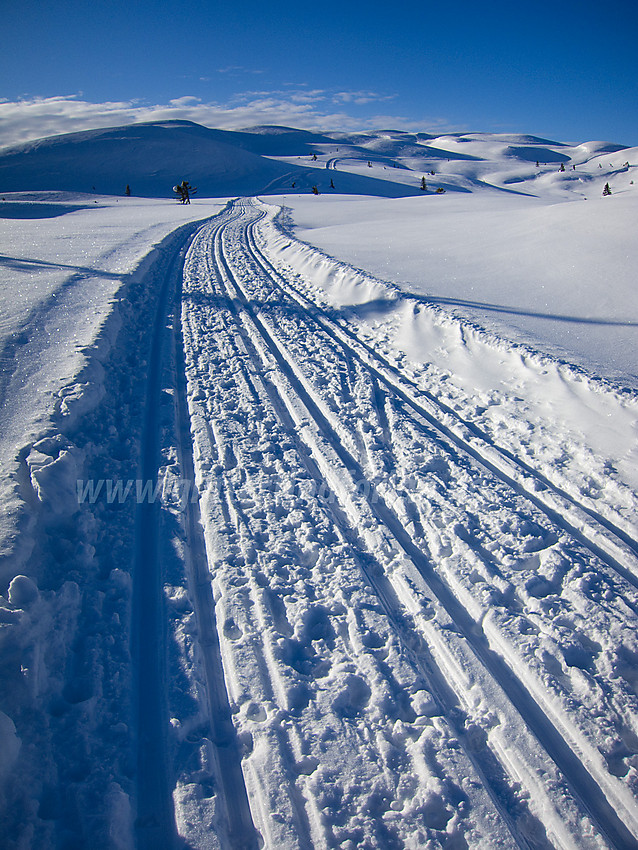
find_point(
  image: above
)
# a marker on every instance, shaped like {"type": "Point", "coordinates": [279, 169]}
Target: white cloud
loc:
{"type": "Point", "coordinates": [25, 120]}
{"type": "Point", "coordinates": [287, 95]}
{"type": "Point", "coordinates": [239, 69]}
{"type": "Point", "coordinates": [361, 97]}
{"type": "Point", "coordinates": [187, 100]}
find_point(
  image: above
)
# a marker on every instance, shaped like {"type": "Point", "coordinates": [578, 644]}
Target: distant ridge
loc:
{"type": "Point", "coordinates": [152, 157]}
{"type": "Point", "coordinates": [276, 160]}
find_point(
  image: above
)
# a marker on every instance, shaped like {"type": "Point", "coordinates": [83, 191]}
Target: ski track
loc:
{"type": "Point", "coordinates": [616, 548]}
{"type": "Point", "coordinates": [397, 598]}
{"type": "Point", "coordinates": [155, 826]}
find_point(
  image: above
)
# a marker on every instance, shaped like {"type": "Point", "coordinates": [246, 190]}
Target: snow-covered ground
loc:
{"type": "Point", "coordinates": [319, 523]}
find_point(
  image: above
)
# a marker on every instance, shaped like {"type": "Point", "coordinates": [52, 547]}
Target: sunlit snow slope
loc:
{"type": "Point", "coordinates": [319, 514]}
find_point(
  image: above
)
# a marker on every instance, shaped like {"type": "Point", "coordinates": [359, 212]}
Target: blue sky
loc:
{"type": "Point", "coordinates": [564, 70]}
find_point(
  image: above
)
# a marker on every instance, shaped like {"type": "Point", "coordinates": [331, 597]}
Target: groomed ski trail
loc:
{"type": "Point", "coordinates": [155, 824]}
{"type": "Point", "coordinates": [305, 442]}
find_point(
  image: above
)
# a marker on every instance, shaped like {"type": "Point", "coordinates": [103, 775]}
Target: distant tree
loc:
{"type": "Point", "coordinates": [607, 189]}
{"type": "Point", "coordinates": [440, 191]}
{"type": "Point", "coordinates": [432, 173]}
{"type": "Point", "coordinates": [184, 190]}
{"type": "Point", "coordinates": [369, 165]}
{"type": "Point", "coordinates": [314, 157]}
{"type": "Point", "coordinates": [315, 190]}
{"type": "Point", "coordinates": [424, 185]}
{"type": "Point", "coordinates": [562, 166]}
{"type": "Point", "coordinates": [127, 191]}
{"type": "Point", "coordinates": [537, 165]}
{"type": "Point", "coordinates": [573, 167]}
{"type": "Point", "coordinates": [332, 185]}
{"type": "Point", "coordinates": [293, 185]}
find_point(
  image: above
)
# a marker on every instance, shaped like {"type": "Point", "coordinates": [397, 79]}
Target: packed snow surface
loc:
{"type": "Point", "coordinates": [319, 511]}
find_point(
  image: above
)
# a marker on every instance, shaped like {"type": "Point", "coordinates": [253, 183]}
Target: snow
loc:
{"type": "Point", "coordinates": [542, 267]}
{"type": "Point", "coordinates": [61, 275]}
{"type": "Point", "coordinates": [319, 523]}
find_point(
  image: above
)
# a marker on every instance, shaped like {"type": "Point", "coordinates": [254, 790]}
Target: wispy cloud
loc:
{"type": "Point", "coordinates": [25, 120]}
{"type": "Point", "coordinates": [361, 97]}
{"type": "Point", "coordinates": [239, 69]}
{"type": "Point", "coordinates": [290, 95]}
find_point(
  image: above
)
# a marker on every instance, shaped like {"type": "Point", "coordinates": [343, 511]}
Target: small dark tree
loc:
{"type": "Point", "coordinates": [314, 157]}
{"type": "Point", "coordinates": [315, 190]}
{"type": "Point", "coordinates": [424, 185]}
{"type": "Point", "coordinates": [562, 166]}
{"type": "Point", "coordinates": [440, 191]}
{"type": "Point", "coordinates": [184, 190]}
{"type": "Point", "coordinates": [128, 191]}
{"type": "Point", "coordinates": [607, 189]}
{"type": "Point", "coordinates": [332, 185]}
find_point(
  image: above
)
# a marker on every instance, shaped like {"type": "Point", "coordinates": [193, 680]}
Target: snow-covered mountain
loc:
{"type": "Point", "coordinates": [318, 514]}
{"type": "Point", "coordinates": [152, 158]}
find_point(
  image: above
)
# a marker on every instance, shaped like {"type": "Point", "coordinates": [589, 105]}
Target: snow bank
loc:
{"type": "Point", "coordinates": [75, 327]}
{"type": "Point", "coordinates": [560, 277]}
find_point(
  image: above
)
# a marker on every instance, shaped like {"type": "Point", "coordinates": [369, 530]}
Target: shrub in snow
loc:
{"type": "Point", "coordinates": [424, 185]}
{"type": "Point", "coordinates": [440, 191]}
{"type": "Point", "coordinates": [315, 190]}
{"type": "Point", "coordinates": [184, 191]}
{"type": "Point", "coordinates": [607, 189]}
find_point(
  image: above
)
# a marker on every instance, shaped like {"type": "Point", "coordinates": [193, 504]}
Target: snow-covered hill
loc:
{"type": "Point", "coordinates": [152, 158]}
{"type": "Point", "coordinates": [319, 525]}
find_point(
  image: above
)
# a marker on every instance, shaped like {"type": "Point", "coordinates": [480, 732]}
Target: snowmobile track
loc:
{"type": "Point", "coordinates": [155, 824]}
